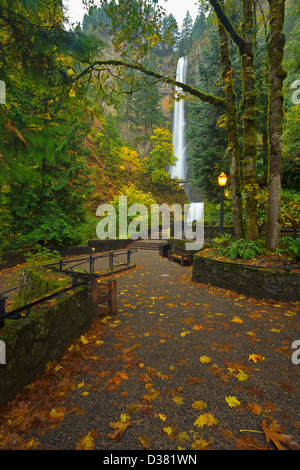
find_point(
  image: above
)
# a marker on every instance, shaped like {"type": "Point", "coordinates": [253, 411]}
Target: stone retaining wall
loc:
{"type": "Point", "coordinates": [41, 337]}
{"type": "Point", "coordinates": [253, 282]}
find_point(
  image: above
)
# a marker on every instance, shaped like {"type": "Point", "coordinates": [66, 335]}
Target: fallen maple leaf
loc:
{"type": "Point", "coordinates": [168, 430]}
{"type": "Point", "coordinates": [57, 414]}
{"type": "Point", "coordinates": [232, 401]}
{"type": "Point", "coordinates": [119, 427]}
{"type": "Point", "coordinates": [199, 405]}
{"type": "Point", "coordinates": [207, 419]}
{"type": "Point", "coordinates": [237, 320]}
{"type": "Point", "coordinates": [87, 442]}
{"type": "Point", "coordinates": [145, 441]}
{"type": "Point", "coordinates": [274, 433]}
{"type": "Point", "coordinates": [256, 357]}
{"type": "Point", "coordinates": [255, 408]}
{"type": "Point", "coordinates": [198, 327]}
{"type": "Point", "coordinates": [241, 375]}
{"type": "Point", "coordinates": [204, 359]}
{"type": "Point", "coordinates": [178, 400]}
{"type": "Point", "coordinates": [83, 339]}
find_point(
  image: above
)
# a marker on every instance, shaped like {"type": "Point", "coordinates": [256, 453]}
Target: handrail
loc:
{"type": "Point", "coordinates": [17, 313]}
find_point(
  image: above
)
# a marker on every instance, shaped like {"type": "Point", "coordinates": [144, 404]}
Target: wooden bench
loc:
{"type": "Point", "coordinates": [183, 256]}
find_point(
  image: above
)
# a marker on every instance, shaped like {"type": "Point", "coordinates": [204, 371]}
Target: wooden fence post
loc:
{"type": "Point", "coordinates": [102, 292]}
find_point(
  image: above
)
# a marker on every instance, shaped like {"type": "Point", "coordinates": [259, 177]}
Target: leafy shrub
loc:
{"type": "Point", "coordinates": [42, 256]}
{"type": "Point", "coordinates": [292, 246]}
{"type": "Point", "coordinates": [243, 249]}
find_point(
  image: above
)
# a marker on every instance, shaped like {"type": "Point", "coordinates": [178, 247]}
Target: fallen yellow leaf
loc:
{"type": "Point", "coordinates": [87, 442]}
{"type": "Point", "coordinates": [256, 357]}
{"type": "Point", "coordinates": [237, 320]}
{"type": "Point", "coordinates": [205, 359]}
{"type": "Point", "coordinates": [206, 419]}
{"type": "Point", "coordinates": [199, 405]}
{"type": "Point", "coordinates": [232, 401]}
{"type": "Point", "coordinates": [168, 430]}
{"type": "Point", "coordinates": [178, 400]}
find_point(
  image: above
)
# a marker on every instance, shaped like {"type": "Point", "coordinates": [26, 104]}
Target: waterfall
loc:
{"type": "Point", "coordinates": [196, 212]}
{"type": "Point", "coordinates": [179, 169]}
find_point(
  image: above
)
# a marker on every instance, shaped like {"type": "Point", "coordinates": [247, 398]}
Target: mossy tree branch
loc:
{"type": "Point", "coordinates": [207, 98]}
{"type": "Point", "coordinates": [223, 18]}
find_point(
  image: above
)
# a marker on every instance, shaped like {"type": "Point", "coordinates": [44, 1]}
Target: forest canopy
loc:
{"type": "Point", "coordinates": [89, 110]}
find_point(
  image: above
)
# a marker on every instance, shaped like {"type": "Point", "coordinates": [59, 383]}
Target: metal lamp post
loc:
{"type": "Point", "coordinates": [222, 180]}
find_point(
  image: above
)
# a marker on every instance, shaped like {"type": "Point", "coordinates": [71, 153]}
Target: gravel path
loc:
{"type": "Point", "coordinates": [181, 366]}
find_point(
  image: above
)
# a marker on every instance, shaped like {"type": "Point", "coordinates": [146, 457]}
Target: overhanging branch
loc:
{"type": "Point", "coordinates": [223, 18]}
{"type": "Point", "coordinates": [213, 100]}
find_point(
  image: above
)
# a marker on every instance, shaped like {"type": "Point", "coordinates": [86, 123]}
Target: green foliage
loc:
{"type": "Point", "coordinates": [134, 196]}
{"type": "Point", "coordinates": [244, 249]}
{"type": "Point", "coordinates": [291, 245]}
{"type": "Point", "coordinates": [290, 208]}
{"type": "Point", "coordinates": [161, 157]}
{"type": "Point", "coordinates": [291, 149]}
{"type": "Point", "coordinates": [42, 255]}
{"type": "Point", "coordinates": [43, 180]}
{"type": "Point", "coordinates": [212, 212]}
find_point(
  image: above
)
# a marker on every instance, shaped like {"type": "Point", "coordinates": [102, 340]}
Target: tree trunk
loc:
{"type": "Point", "coordinates": [232, 132]}
{"type": "Point", "coordinates": [245, 45]}
{"type": "Point", "coordinates": [249, 121]}
{"type": "Point", "coordinates": [276, 78]}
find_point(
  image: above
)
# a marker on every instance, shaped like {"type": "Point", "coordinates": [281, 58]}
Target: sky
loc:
{"type": "Point", "coordinates": [178, 8]}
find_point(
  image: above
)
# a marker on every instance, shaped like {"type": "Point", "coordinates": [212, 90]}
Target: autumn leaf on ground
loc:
{"type": "Point", "coordinates": [32, 443]}
{"type": "Point", "coordinates": [168, 430]}
{"type": "Point", "coordinates": [256, 357]}
{"type": "Point", "coordinates": [254, 407]}
{"type": "Point", "coordinates": [204, 359]}
{"type": "Point", "coordinates": [206, 419]}
{"type": "Point", "coordinates": [232, 401]}
{"type": "Point", "coordinates": [119, 427]}
{"type": "Point", "coordinates": [178, 400]}
{"type": "Point", "coordinates": [198, 327]}
{"type": "Point", "coordinates": [57, 414]}
{"type": "Point", "coordinates": [146, 442]}
{"type": "Point", "coordinates": [87, 442]}
{"type": "Point", "coordinates": [83, 340]}
{"type": "Point", "coordinates": [162, 416]}
{"type": "Point", "coordinates": [200, 444]}
{"type": "Point", "coordinates": [184, 333]}
{"type": "Point", "coordinates": [199, 405]}
{"type": "Point", "coordinates": [274, 433]}
{"type": "Point", "coordinates": [237, 320]}
{"type": "Point", "coordinates": [240, 375]}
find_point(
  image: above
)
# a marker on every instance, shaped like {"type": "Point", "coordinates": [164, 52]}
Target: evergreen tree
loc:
{"type": "Point", "coordinates": [185, 41]}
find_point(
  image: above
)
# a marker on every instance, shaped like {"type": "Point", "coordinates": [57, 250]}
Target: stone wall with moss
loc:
{"type": "Point", "coordinates": [253, 282]}
{"type": "Point", "coordinates": [44, 335]}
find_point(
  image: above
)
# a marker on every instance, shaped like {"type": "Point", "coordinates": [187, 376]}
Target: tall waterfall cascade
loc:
{"type": "Point", "coordinates": [179, 125]}
{"type": "Point", "coordinates": [180, 169]}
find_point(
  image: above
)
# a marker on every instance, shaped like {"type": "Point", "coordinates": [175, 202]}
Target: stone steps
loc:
{"type": "Point", "coordinates": [146, 244]}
